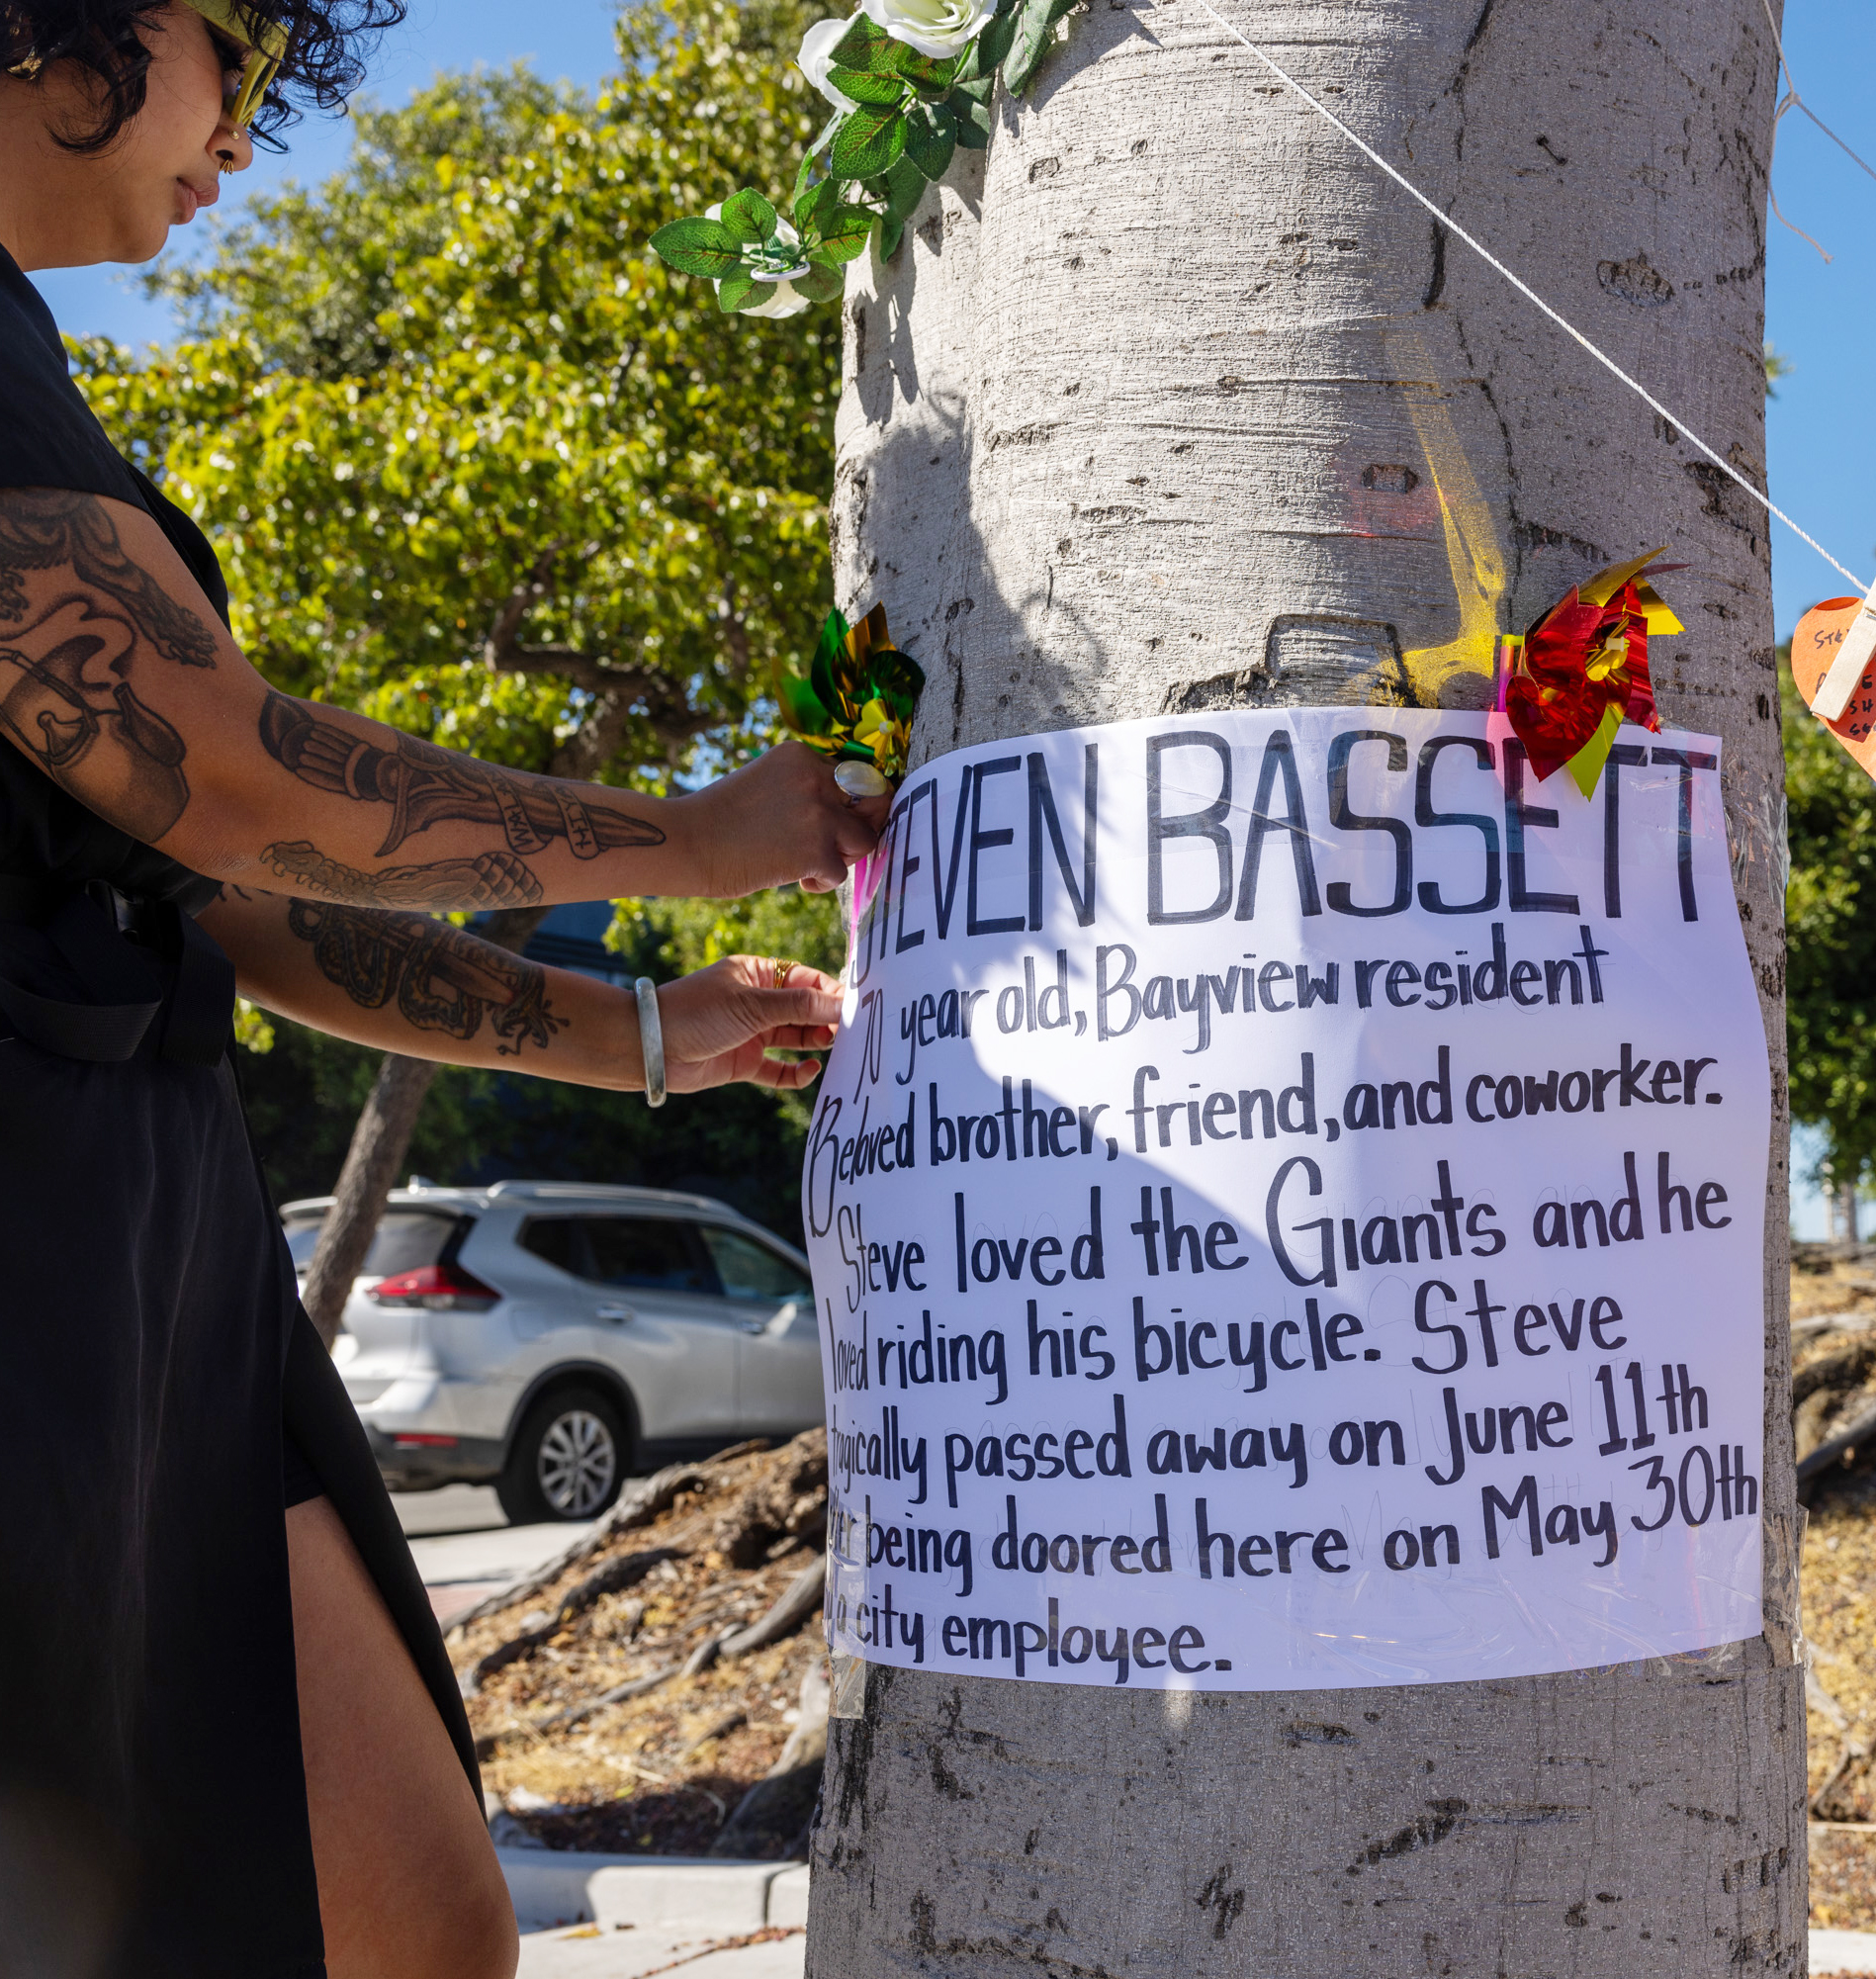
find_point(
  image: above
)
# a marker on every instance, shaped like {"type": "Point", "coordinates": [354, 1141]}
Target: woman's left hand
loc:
{"type": "Point", "coordinates": [720, 1024]}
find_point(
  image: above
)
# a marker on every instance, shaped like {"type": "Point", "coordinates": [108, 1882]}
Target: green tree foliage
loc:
{"type": "Point", "coordinates": [1830, 940]}
{"type": "Point", "coordinates": [477, 464]}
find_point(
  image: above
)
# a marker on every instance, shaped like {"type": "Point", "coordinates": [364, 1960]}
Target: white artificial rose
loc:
{"type": "Point", "coordinates": [786, 300]}
{"type": "Point", "coordinates": [935, 28]}
{"type": "Point", "coordinates": [817, 57]}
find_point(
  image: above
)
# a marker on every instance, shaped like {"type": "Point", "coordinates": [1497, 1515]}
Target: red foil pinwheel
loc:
{"type": "Point", "coordinates": [1581, 671]}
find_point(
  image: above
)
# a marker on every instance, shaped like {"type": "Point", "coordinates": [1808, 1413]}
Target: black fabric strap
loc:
{"type": "Point", "coordinates": [110, 995]}
{"type": "Point", "coordinates": [71, 983]}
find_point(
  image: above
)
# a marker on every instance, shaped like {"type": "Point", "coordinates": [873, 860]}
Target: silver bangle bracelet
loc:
{"type": "Point", "coordinates": [650, 1042]}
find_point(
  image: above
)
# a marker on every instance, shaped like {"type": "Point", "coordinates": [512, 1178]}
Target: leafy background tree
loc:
{"type": "Point", "coordinates": [1831, 942]}
{"type": "Point", "coordinates": [477, 464]}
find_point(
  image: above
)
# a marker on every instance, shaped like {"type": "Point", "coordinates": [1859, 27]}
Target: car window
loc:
{"type": "Point", "coordinates": [406, 1240]}
{"type": "Point", "coordinates": [558, 1240]}
{"type": "Point", "coordinates": [643, 1251]}
{"type": "Point", "coordinates": [303, 1238]}
{"type": "Point", "coordinates": [751, 1270]}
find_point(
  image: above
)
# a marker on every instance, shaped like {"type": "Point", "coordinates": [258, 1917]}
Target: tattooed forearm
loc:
{"type": "Point", "coordinates": [440, 978]}
{"type": "Point", "coordinates": [491, 879]}
{"type": "Point", "coordinates": [53, 529]}
{"type": "Point", "coordinates": [64, 699]}
{"type": "Point", "coordinates": [425, 785]}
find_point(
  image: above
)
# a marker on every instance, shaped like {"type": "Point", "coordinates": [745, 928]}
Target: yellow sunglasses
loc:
{"type": "Point", "coordinates": [266, 45]}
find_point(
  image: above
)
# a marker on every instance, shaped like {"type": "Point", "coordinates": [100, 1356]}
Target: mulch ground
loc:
{"type": "Point", "coordinates": [659, 1774]}
{"type": "Point", "coordinates": [1833, 1370]}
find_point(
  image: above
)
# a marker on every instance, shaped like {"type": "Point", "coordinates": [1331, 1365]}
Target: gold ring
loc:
{"type": "Point", "coordinates": [782, 974]}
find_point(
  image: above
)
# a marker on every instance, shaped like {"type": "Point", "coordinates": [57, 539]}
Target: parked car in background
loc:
{"type": "Point", "coordinates": [552, 1338]}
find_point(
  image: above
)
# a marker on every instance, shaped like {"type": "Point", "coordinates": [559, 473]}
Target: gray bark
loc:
{"type": "Point", "coordinates": [380, 1142]}
{"type": "Point", "coordinates": [1156, 412]}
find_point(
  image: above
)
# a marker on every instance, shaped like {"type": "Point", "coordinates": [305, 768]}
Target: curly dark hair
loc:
{"type": "Point", "coordinates": [325, 64]}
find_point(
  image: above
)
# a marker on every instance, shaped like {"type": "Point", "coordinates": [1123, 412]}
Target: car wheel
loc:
{"type": "Point", "coordinates": [568, 1460]}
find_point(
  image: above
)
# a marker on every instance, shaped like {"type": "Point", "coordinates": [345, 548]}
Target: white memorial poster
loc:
{"type": "Point", "coordinates": [1286, 1210]}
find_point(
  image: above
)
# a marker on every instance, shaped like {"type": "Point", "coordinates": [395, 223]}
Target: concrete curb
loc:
{"type": "Point", "coordinates": [556, 1886]}
{"type": "Point", "coordinates": [560, 1886]}
{"type": "Point", "coordinates": [1842, 1952]}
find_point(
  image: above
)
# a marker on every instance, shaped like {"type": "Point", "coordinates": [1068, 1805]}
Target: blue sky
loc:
{"type": "Point", "coordinates": [1822, 425]}
{"type": "Point", "coordinates": [1818, 316]}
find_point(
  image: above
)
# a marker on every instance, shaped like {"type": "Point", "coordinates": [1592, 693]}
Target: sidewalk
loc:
{"type": "Point", "coordinates": [587, 1952]}
{"type": "Point", "coordinates": [1844, 1951]}
{"type": "Point", "coordinates": [465, 1551]}
{"type": "Point", "coordinates": [639, 1914]}
{"type": "Point", "coordinates": [620, 1916]}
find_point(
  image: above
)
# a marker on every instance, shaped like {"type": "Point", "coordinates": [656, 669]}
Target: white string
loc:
{"type": "Point", "coordinates": [1791, 100]}
{"type": "Point", "coordinates": [1530, 294]}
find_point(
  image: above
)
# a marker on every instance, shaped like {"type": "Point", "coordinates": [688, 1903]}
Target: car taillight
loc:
{"type": "Point", "coordinates": [442, 1288]}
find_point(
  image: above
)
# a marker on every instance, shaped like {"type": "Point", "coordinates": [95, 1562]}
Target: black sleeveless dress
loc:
{"type": "Point", "coordinates": [156, 1372]}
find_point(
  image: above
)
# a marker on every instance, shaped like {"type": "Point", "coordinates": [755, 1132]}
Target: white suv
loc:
{"type": "Point", "coordinates": [553, 1337]}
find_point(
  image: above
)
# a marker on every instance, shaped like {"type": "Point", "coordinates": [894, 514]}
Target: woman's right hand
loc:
{"type": "Point", "coordinates": [720, 1024]}
{"type": "Point", "coordinates": [778, 819]}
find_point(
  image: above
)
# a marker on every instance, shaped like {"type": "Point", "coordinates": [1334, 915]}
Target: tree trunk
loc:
{"type": "Point", "coordinates": [1173, 402]}
{"type": "Point", "coordinates": [380, 1142]}
{"type": "Point", "coordinates": [1840, 1205]}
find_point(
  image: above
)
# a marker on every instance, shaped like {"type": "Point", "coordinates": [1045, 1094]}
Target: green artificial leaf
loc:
{"type": "Point", "coordinates": [989, 48]}
{"type": "Point", "coordinates": [697, 247]}
{"type": "Point", "coordinates": [930, 139]}
{"type": "Point", "coordinates": [865, 87]}
{"type": "Point", "coordinates": [748, 217]}
{"type": "Point", "coordinates": [868, 142]}
{"type": "Point", "coordinates": [972, 116]}
{"type": "Point", "coordinates": [738, 288]}
{"type": "Point", "coordinates": [841, 234]}
{"type": "Point", "coordinates": [1034, 30]}
{"type": "Point", "coordinates": [930, 78]}
{"type": "Point", "coordinates": [867, 47]}
{"type": "Point", "coordinates": [821, 284]}
{"type": "Point", "coordinates": [815, 208]}
{"type": "Point", "coordinates": [891, 232]}
{"type": "Point", "coordinates": [905, 188]}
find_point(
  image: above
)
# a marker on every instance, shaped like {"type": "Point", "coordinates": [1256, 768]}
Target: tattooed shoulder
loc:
{"type": "Point", "coordinates": [64, 530]}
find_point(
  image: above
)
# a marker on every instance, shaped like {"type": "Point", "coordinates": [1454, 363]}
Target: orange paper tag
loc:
{"type": "Point", "coordinates": [1813, 647]}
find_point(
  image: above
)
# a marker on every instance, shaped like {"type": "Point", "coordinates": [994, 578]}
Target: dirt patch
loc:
{"type": "Point", "coordinates": [1834, 1396]}
{"type": "Point", "coordinates": [654, 1607]}
{"type": "Point", "coordinates": [1842, 1880]}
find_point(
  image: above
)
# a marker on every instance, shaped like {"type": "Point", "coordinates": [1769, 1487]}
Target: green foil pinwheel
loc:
{"type": "Point", "coordinates": [856, 702]}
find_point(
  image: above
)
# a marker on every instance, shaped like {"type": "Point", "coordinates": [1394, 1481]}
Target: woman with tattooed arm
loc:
{"type": "Point", "coordinates": [236, 1750]}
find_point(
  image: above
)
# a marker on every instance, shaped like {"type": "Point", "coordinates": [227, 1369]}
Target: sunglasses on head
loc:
{"type": "Point", "coordinates": [265, 44]}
